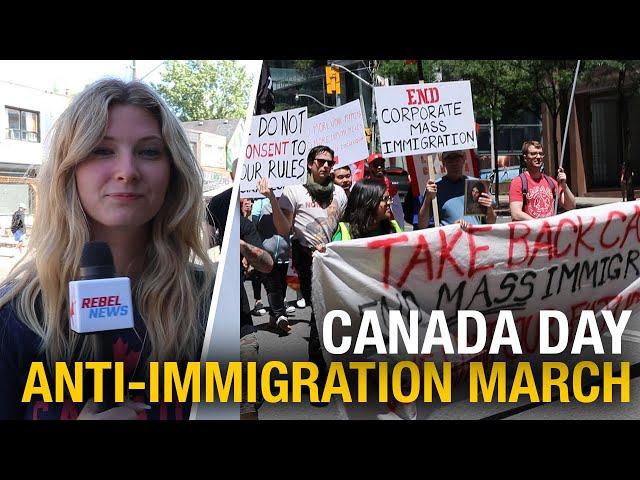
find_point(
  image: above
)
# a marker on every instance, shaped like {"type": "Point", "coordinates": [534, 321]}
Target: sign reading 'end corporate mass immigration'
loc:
{"type": "Point", "coordinates": [425, 118]}
{"type": "Point", "coordinates": [342, 129]}
{"type": "Point", "coordinates": [276, 150]}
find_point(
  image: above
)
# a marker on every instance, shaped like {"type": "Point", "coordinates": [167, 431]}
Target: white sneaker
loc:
{"type": "Point", "coordinates": [259, 309]}
{"type": "Point", "coordinates": [291, 309]}
{"type": "Point", "coordinates": [301, 303]}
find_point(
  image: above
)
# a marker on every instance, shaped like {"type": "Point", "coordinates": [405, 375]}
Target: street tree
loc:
{"type": "Point", "coordinates": [205, 89]}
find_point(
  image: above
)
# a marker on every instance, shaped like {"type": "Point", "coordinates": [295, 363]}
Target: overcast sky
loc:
{"type": "Point", "coordinates": [75, 74]}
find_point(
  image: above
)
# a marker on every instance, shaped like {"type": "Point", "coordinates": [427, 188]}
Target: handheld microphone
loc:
{"type": "Point", "coordinates": [100, 302]}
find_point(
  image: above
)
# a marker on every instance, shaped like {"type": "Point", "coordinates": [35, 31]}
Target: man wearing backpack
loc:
{"type": "Point", "coordinates": [532, 194]}
{"type": "Point", "coordinates": [18, 227]}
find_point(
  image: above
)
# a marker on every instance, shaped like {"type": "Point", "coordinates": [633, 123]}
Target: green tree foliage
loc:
{"type": "Point", "coordinates": [204, 89]}
{"type": "Point", "coordinates": [549, 82]}
{"type": "Point", "coordinates": [403, 73]}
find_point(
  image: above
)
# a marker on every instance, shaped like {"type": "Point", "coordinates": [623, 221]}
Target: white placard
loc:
{"type": "Point", "coordinates": [342, 129]}
{"type": "Point", "coordinates": [425, 118]}
{"type": "Point", "coordinates": [276, 150]}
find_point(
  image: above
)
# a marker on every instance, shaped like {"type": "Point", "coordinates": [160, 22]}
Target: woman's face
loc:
{"type": "Point", "coordinates": [475, 193]}
{"type": "Point", "coordinates": [384, 208]}
{"type": "Point", "coordinates": [123, 182]}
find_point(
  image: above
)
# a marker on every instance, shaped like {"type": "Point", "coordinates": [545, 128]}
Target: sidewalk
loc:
{"type": "Point", "coordinates": [9, 255]}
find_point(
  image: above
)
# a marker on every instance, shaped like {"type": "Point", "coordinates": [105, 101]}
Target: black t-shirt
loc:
{"type": "Point", "coordinates": [20, 346]}
{"type": "Point", "coordinates": [249, 234]}
{"type": "Point", "coordinates": [218, 209]}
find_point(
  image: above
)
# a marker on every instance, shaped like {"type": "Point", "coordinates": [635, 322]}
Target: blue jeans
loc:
{"type": "Point", "coordinates": [18, 235]}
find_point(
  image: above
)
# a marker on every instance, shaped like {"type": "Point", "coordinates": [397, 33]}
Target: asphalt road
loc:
{"type": "Point", "coordinates": [276, 346]}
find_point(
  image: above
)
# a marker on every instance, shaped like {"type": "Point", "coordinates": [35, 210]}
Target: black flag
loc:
{"type": "Point", "coordinates": [265, 99]}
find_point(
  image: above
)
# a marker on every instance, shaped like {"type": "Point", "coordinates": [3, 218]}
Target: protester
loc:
{"type": "Point", "coordinates": [275, 282]}
{"type": "Point", "coordinates": [18, 227]}
{"type": "Point", "coordinates": [342, 177]}
{"type": "Point", "coordinates": [532, 194]}
{"type": "Point", "coordinates": [376, 172]}
{"type": "Point", "coordinates": [449, 190]}
{"type": "Point", "coordinates": [368, 213]}
{"type": "Point", "coordinates": [312, 210]}
{"type": "Point", "coordinates": [252, 253]}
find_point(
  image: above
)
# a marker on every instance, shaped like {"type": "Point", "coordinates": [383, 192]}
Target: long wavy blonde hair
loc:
{"type": "Point", "coordinates": [169, 293]}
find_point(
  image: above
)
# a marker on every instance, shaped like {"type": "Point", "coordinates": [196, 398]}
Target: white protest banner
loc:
{"type": "Point", "coordinates": [342, 129]}
{"type": "Point", "coordinates": [425, 118]}
{"type": "Point", "coordinates": [586, 259]}
{"type": "Point", "coordinates": [276, 150]}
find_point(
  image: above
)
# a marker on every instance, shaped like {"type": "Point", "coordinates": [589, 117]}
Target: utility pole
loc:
{"type": "Point", "coordinates": [133, 70]}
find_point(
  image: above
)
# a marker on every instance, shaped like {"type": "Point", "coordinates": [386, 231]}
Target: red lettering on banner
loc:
{"type": "Point", "coordinates": [473, 250]}
{"type": "Point", "coordinates": [422, 246]}
{"type": "Point", "coordinates": [69, 411]}
{"type": "Point", "coordinates": [37, 408]}
{"type": "Point", "coordinates": [632, 299]}
{"type": "Point", "coordinates": [612, 214]}
{"type": "Point", "coordinates": [386, 243]}
{"type": "Point", "coordinates": [539, 245]}
{"type": "Point", "coordinates": [513, 240]}
{"type": "Point", "coordinates": [525, 323]}
{"type": "Point", "coordinates": [576, 310]}
{"type": "Point", "coordinates": [632, 225]}
{"type": "Point", "coordinates": [561, 223]}
{"type": "Point", "coordinates": [582, 233]}
{"type": "Point", "coordinates": [445, 252]}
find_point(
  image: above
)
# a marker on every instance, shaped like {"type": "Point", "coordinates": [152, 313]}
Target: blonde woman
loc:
{"type": "Point", "coordinates": [119, 170]}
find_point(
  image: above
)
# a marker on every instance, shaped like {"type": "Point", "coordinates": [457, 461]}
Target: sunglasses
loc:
{"type": "Point", "coordinates": [321, 162]}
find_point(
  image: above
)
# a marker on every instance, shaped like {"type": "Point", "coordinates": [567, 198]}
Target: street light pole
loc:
{"type": "Point", "coordinates": [337, 65]}
{"type": "Point", "coordinates": [373, 103]}
{"type": "Point", "coordinates": [298, 95]}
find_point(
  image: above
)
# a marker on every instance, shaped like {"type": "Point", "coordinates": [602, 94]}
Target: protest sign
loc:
{"type": "Point", "coordinates": [276, 150]}
{"type": "Point", "coordinates": [425, 118]}
{"type": "Point", "coordinates": [341, 129]}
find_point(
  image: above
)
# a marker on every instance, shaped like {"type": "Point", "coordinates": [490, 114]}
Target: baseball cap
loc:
{"type": "Point", "coordinates": [375, 156]}
{"type": "Point", "coordinates": [453, 154]}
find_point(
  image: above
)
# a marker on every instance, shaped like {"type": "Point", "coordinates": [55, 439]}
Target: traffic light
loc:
{"type": "Point", "coordinates": [332, 77]}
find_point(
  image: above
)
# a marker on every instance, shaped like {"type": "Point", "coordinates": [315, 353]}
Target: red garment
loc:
{"type": "Point", "coordinates": [390, 187]}
{"type": "Point", "coordinates": [540, 201]}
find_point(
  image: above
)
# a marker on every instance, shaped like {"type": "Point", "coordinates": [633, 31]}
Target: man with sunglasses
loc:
{"type": "Point", "coordinates": [313, 211]}
{"type": "Point", "coordinates": [532, 194]}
